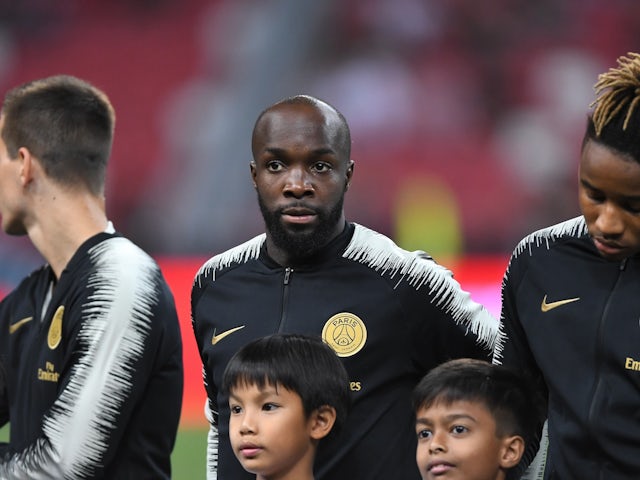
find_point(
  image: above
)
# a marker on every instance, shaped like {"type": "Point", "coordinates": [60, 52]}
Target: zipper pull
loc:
{"type": "Point", "coordinates": [287, 274]}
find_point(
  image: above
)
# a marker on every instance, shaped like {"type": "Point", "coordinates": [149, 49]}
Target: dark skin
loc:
{"type": "Point", "coordinates": [301, 171]}
{"type": "Point", "coordinates": [609, 195]}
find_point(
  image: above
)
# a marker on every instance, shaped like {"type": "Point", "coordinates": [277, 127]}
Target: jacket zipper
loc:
{"type": "Point", "coordinates": [285, 298]}
{"type": "Point", "coordinates": [599, 353]}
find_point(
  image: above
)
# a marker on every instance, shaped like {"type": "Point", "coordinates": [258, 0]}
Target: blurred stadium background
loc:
{"type": "Point", "coordinates": [466, 121]}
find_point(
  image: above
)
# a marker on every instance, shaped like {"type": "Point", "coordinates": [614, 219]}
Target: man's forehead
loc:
{"type": "Point", "coordinates": [297, 122]}
{"type": "Point", "coordinates": [299, 112]}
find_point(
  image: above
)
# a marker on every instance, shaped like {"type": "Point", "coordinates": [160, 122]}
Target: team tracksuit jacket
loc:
{"type": "Point", "coordinates": [91, 379]}
{"type": "Point", "coordinates": [571, 319]}
{"type": "Point", "coordinates": [390, 314]}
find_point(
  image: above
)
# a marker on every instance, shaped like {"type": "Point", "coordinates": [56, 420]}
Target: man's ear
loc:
{"type": "Point", "coordinates": [349, 174]}
{"type": "Point", "coordinates": [511, 451]}
{"type": "Point", "coordinates": [252, 167]}
{"type": "Point", "coordinates": [321, 421]}
{"type": "Point", "coordinates": [27, 166]}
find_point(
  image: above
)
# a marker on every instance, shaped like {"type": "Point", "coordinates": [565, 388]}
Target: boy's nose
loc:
{"type": "Point", "coordinates": [437, 444]}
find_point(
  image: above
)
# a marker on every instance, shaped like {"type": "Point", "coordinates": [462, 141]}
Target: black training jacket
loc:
{"type": "Point", "coordinates": [92, 378]}
{"type": "Point", "coordinates": [390, 314]}
{"type": "Point", "coordinates": [571, 319]}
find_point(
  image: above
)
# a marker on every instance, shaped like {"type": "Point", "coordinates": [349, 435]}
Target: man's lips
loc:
{"type": "Point", "coordinates": [298, 214]}
{"type": "Point", "coordinates": [608, 248]}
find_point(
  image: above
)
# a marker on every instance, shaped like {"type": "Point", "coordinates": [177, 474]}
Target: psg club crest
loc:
{"type": "Point", "coordinates": [345, 333]}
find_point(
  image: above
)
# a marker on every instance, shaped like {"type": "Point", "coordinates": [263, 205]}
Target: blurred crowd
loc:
{"type": "Point", "coordinates": [466, 116]}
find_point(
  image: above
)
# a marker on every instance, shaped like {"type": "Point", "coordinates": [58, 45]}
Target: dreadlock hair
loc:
{"type": "Point", "coordinates": [615, 120]}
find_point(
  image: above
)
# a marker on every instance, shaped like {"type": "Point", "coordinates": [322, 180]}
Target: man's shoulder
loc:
{"type": "Point", "coordinates": [118, 262]}
{"type": "Point", "coordinates": [380, 253]}
{"type": "Point", "coordinates": [368, 246]}
{"type": "Point", "coordinates": [544, 239]}
{"type": "Point", "coordinates": [120, 252]}
{"type": "Point", "coordinates": [237, 255]}
{"type": "Point", "coordinates": [115, 273]}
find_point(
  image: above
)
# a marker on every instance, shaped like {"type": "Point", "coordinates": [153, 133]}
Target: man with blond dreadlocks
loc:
{"type": "Point", "coordinates": [571, 300]}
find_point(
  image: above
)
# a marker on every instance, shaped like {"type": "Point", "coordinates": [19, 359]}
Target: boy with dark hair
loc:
{"type": "Point", "coordinates": [286, 393]}
{"type": "Point", "coordinates": [473, 420]}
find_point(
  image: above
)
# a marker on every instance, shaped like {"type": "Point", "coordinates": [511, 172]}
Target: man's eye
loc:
{"type": "Point", "coordinates": [321, 167]}
{"type": "Point", "coordinates": [634, 209]}
{"type": "Point", "coordinates": [274, 166]}
{"type": "Point", "coordinates": [595, 196]}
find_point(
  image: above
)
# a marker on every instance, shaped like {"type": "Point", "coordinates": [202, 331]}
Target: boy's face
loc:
{"type": "Point", "coordinates": [270, 434]}
{"type": "Point", "coordinates": [459, 441]}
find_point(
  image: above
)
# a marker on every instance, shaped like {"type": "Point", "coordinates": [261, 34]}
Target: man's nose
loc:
{"type": "Point", "coordinates": [609, 222]}
{"type": "Point", "coordinates": [298, 183]}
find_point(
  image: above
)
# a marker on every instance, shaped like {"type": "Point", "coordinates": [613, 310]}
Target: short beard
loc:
{"type": "Point", "coordinates": [299, 244]}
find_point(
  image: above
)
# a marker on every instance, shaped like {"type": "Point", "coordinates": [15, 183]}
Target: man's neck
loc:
{"type": "Point", "coordinates": [64, 223]}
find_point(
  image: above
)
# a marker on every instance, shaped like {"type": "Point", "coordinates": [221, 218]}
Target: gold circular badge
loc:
{"type": "Point", "coordinates": [345, 333]}
{"type": "Point", "coordinates": [55, 329]}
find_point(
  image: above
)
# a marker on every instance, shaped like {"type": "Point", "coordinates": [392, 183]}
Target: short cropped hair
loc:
{"type": "Point", "coordinates": [615, 119]}
{"type": "Point", "coordinates": [66, 123]}
{"type": "Point", "coordinates": [343, 133]}
{"type": "Point", "coordinates": [507, 396]}
{"type": "Point", "coordinates": [299, 363]}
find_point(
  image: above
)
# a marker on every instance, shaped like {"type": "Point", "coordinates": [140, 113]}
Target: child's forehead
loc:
{"type": "Point", "coordinates": [252, 384]}
{"type": "Point", "coordinates": [446, 405]}
{"type": "Point", "coordinates": [262, 386]}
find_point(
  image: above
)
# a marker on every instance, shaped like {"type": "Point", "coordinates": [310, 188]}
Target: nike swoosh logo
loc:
{"type": "Point", "coordinates": [15, 326]}
{"type": "Point", "coordinates": [220, 336]}
{"type": "Point", "coordinates": [545, 307]}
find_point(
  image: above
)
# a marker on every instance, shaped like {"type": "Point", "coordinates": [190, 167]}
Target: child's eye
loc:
{"type": "Point", "coordinates": [268, 407]}
{"type": "Point", "coordinates": [422, 434]}
{"type": "Point", "coordinates": [459, 429]}
{"type": "Point", "coordinates": [235, 409]}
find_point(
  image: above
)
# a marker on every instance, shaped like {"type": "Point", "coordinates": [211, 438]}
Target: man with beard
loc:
{"type": "Point", "coordinates": [391, 315]}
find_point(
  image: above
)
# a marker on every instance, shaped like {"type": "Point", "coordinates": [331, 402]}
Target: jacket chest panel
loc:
{"type": "Point", "coordinates": [358, 322]}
